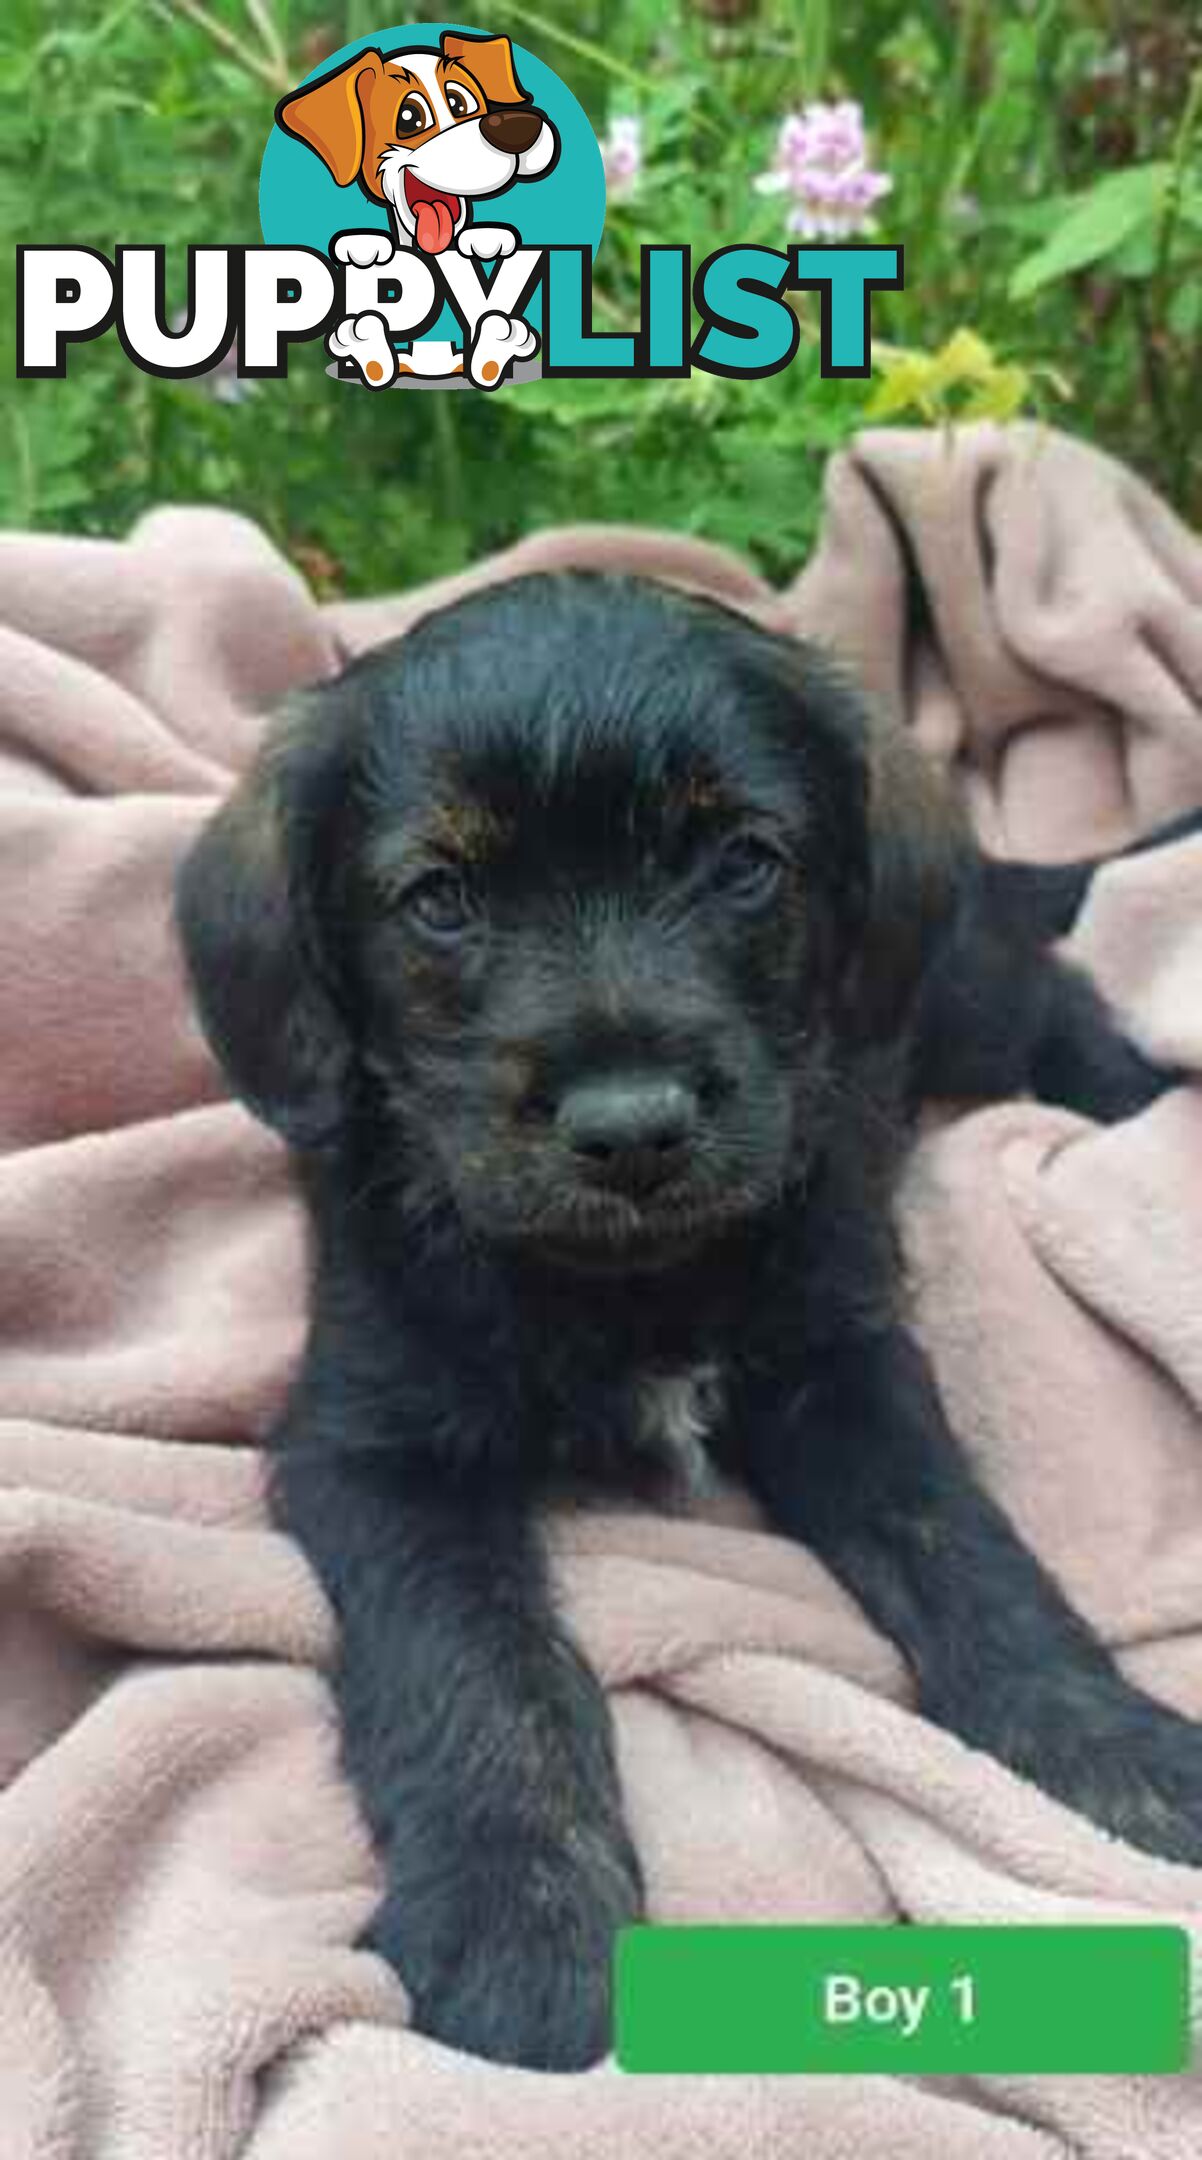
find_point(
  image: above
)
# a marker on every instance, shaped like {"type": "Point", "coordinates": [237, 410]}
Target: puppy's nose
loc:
{"type": "Point", "coordinates": [632, 1131]}
{"type": "Point", "coordinates": [512, 131]}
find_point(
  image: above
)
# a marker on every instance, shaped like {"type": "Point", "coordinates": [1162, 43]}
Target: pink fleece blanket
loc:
{"type": "Point", "coordinates": [182, 1870]}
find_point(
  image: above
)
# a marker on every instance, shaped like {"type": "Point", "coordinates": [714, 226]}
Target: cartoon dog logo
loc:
{"type": "Point", "coordinates": [427, 133]}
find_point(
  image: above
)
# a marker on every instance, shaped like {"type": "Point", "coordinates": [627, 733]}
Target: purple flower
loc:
{"type": "Point", "coordinates": [822, 162]}
{"type": "Point", "coordinates": [622, 152]}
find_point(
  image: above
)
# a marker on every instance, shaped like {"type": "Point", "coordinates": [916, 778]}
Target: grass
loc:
{"type": "Point", "coordinates": [1047, 170]}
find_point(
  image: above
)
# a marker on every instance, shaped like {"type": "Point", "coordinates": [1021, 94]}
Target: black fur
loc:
{"type": "Point", "coordinates": [594, 948]}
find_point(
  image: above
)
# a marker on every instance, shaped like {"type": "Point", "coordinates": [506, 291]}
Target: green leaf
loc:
{"type": "Point", "coordinates": [1136, 258]}
{"type": "Point", "coordinates": [903, 383]}
{"type": "Point", "coordinates": [1004, 395]}
{"type": "Point", "coordinates": [1103, 218]}
{"type": "Point", "coordinates": [964, 358]}
{"type": "Point", "coordinates": [1184, 314]}
{"type": "Point", "coordinates": [1036, 218]}
{"type": "Point", "coordinates": [964, 380]}
{"type": "Point", "coordinates": [1189, 207]}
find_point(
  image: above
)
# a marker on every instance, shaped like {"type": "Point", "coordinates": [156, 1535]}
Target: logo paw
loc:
{"type": "Point", "coordinates": [363, 249]}
{"type": "Point", "coordinates": [500, 340]}
{"type": "Point", "coordinates": [364, 339]}
{"type": "Point", "coordinates": [486, 241]}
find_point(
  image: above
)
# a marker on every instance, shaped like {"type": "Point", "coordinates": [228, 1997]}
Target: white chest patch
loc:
{"type": "Point", "coordinates": [677, 1412]}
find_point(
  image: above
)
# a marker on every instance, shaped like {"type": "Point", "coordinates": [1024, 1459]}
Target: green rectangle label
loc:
{"type": "Point", "coordinates": [931, 2000]}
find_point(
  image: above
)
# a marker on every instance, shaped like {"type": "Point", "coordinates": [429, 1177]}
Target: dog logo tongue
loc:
{"type": "Point", "coordinates": [434, 226]}
{"type": "Point", "coordinates": [434, 214]}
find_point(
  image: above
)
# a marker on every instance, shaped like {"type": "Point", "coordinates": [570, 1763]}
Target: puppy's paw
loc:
{"type": "Point", "coordinates": [1149, 1783]}
{"type": "Point", "coordinates": [364, 340]}
{"type": "Point", "coordinates": [364, 249]}
{"type": "Point", "coordinates": [1105, 1077]}
{"type": "Point", "coordinates": [1127, 1082]}
{"type": "Point", "coordinates": [499, 341]}
{"type": "Point", "coordinates": [509, 1956]}
{"type": "Point", "coordinates": [1129, 1763]}
{"type": "Point", "coordinates": [485, 242]}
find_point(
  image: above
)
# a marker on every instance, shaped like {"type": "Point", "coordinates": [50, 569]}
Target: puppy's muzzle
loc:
{"type": "Point", "coordinates": [511, 131]}
{"type": "Point", "coordinates": [628, 1132]}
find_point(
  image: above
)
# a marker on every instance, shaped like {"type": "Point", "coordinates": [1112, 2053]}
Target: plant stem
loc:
{"type": "Point", "coordinates": [260, 12]}
{"type": "Point", "coordinates": [598, 56]}
{"type": "Point", "coordinates": [953, 122]}
{"type": "Point", "coordinates": [815, 47]}
{"type": "Point", "coordinates": [266, 70]}
{"type": "Point", "coordinates": [1150, 362]}
{"type": "Point", "coordinates": [1182, 143]}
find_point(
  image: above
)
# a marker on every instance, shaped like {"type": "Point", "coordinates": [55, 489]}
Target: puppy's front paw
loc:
{"type": "Point", "coordinates": [1126, 1082]}
{"type": "Point", "coordinates": [484, 242]}
{"type": "Point", "coordinates": [364, 340]}
{"type": "Point", "coordinates": [510, 1957]}
{"type": "Point", "coordinates": [1129, 1763]}
{"type": "Point", "coordinates": [1083, 1059]}
{"type": "Point", "coordinates": [1149, 1784]}
{"type": "Point", "coordinates": [1131, 1083]}
{"type": "Point", "coordinates": [1108, 1079]}
{"type": "Point", "coordinates": [363, 249]}
{"type": "Point", "coordinates": [499, 341]}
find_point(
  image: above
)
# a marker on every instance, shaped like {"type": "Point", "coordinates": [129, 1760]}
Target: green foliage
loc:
{"type": "Point", "coordinates": [964, 380]}
{"type": "Point", "coordinates": [1047, 187]}
{"type": "Point", "coordinates": [1120, 220]}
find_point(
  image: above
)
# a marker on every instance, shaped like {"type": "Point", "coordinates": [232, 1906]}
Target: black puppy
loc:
{"type": "Point", "coordinates": [593, 947]}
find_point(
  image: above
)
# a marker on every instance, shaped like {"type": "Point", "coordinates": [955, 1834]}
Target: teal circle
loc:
{"type": "Point", "coordinates": [301, 204]}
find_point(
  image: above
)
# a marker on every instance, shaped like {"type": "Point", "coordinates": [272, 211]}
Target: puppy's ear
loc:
{"type": "Point", "coordinates": [918, 852]}
{"type": "Point", "coordinates": [328, 115]}
{"type": "Point", "coordinates": [246, 919]}
{"type": "Point", "coordinates": [490, 60]}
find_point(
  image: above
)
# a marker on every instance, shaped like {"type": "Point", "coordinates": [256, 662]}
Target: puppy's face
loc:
{"type": "Point", "coordinates": [578, 882]}
{"type": "Point", "coordinates": [590, 928]}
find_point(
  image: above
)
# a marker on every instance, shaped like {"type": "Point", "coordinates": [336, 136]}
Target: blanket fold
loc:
{"type": "Point", "coordinates": [183, 1871]}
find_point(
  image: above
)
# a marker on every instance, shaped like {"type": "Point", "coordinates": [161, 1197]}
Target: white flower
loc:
{"type": "Point", "coordinates": [622, 152]}
{"type": "Point", "coordinates": [821, 161]}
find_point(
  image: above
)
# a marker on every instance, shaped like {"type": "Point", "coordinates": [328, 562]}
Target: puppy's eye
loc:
{"type": "Point", "coordinates": [414, 115]}
{"type": "Point", "coordinates": [441, 905]}
{"type": "Point", "coordinates": [460, 102]}
{"type": "Point", "coordinates": [747, 871]}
